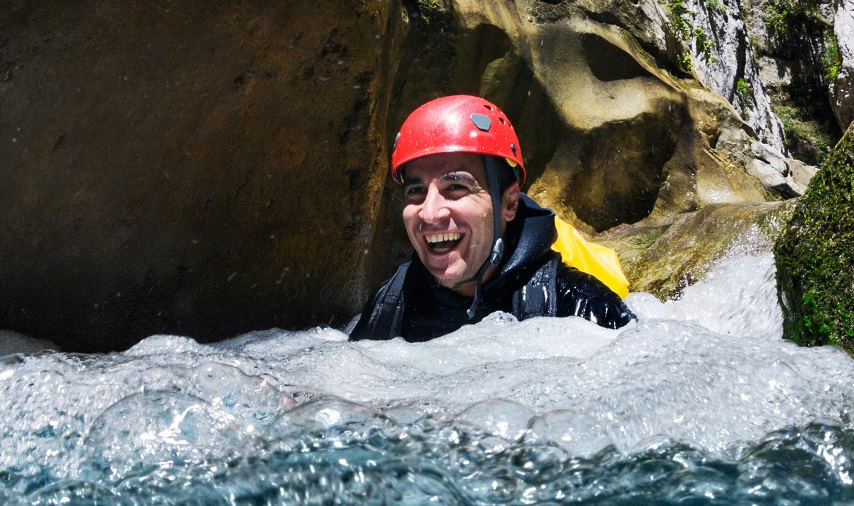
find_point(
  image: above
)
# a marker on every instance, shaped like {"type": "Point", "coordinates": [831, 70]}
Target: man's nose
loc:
{"type": "Point", "coordinates": [435, 206]}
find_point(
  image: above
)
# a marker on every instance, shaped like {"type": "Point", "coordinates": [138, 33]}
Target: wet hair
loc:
{"type": "Point", "coordinates": [506, 174]}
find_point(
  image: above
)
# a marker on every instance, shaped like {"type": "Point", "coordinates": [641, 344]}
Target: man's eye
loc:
{"type": "Point", "coordinates": [413, 191]}
{"type": "Point", "coordinates": [458, 189]}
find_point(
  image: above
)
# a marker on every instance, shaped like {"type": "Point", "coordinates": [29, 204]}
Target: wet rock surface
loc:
{"type": "Point", "coordinates": [186, 169]}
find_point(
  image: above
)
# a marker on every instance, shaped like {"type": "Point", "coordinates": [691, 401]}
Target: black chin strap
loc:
{"type": "Point", "coordinates": [497, 243]}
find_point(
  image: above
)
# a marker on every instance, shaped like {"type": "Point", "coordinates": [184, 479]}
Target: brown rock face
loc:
{"type": "Point", "coordinates": [186, 167]}
{"type": "Point", "coordinates": [210, 170]}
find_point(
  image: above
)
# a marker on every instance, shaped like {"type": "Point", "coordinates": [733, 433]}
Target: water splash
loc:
{"type": "Point", "coordinates": [699, 401]}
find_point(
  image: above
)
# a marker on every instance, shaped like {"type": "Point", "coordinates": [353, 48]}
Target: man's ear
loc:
{"type": "Point", "coordinates": [510, 201]}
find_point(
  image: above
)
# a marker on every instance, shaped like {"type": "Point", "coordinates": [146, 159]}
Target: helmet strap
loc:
{"type": "Point", "coordinates": [497, 251]}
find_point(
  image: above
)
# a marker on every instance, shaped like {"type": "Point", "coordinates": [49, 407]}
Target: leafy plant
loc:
{"type": "Point", "coordinates": [705, 45]}
{"type": "Point", "coordinates": [681, 20]}
{"type": "Point", "coordinates": [716, 5]}
{"type": "Point", "coordinates": [787, 19]}
{"type": "Point", "coordinates": [679, 15]}
{"type": "Point", "coordinates": [743, 90]}
{"type": "Point", "coordinates": [831, 61]}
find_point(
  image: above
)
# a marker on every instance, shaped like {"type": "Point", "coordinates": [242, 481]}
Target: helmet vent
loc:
{"type": "Point", "coordinates": [483, 123]}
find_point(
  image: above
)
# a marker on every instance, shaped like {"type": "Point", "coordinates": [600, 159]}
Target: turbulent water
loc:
{"type": "Point", "coordinates": [699, 402]}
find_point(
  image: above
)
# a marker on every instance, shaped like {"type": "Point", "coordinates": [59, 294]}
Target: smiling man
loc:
{"type": "Point", "coordinates": [480, 244]}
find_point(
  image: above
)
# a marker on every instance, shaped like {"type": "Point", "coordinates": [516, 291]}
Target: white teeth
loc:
{"type": "Point", "coordinates": [434, 238]}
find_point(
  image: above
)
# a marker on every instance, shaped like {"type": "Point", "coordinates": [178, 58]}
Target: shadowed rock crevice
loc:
{"type": "Point", "coordinates": [485, 46]}
{"type": "Point", "coordinates": [608, 62]}
{"type": "Point", "coordinates": [621, 171]}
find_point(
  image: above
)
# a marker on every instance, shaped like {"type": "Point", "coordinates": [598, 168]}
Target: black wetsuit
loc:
{"type": "Point", "coordinates": [531, 282]}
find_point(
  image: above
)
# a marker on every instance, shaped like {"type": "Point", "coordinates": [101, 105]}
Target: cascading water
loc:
{"type": "Point", "coordinates": [700, 401]}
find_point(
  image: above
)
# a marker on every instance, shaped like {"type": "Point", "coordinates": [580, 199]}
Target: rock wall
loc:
{"type": "Point", "coordinates": [796, 51]}
{"type": "Point", "coordinates": [842, 87]}
{"type": "Point", "coordinates": [190, 168]}
{"type": "Point", "coordinates": [724, 61]}
{"type": "Point", "coordinates": [209, 170]}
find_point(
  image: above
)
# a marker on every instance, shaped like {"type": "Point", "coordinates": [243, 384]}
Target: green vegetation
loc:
{"type": "Point", "coordinates": [815, 267]}
{"type": "Point", "coordinates": [809, 125]}
{"type": "Point", "coordinates": [801, 36]}
{"type": "Point", "coordinates": [793, 24]}
{"type": "Point", "coordinates": [705, 45]}
{"type": "Point", "coordinates": [743, 89]}
{"type": "Point", "coordinates": [716, 6]}
{"type": "Point", "coordinates": [681, 20]}
{"type": "Point", "coordinates": [679, 15]}
{"type": "Point", "coordinates": [831, 60]}
{"type": "Point", "coordinates": [787, 17]}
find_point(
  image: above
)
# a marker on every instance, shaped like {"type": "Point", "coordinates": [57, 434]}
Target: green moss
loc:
{"type": "Point", "coordinates": [815, 264]}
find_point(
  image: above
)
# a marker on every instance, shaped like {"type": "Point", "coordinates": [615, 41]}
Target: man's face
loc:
{"type": "Point", "coordinates": [448, 216]}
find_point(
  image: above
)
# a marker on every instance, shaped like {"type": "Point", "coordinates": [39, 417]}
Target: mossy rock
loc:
{"type": "Point", "coordinates": [815, 257]}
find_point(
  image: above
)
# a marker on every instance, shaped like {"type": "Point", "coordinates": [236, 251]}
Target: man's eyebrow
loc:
{"type": "Point", "coordinates": [462, 176]}
{"type": "Point", "coordinates": [459, 176]}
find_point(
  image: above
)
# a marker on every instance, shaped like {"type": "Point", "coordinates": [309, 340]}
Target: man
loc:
{"type": "Point", "coordinates": [480, 244]}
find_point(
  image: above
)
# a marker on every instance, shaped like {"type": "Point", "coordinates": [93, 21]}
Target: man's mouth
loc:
{"type": "Point", "coordinates": [442, 243]}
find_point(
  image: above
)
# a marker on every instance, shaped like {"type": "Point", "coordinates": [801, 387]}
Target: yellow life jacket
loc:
{"type": "Point", "coordinates": [591, 258]}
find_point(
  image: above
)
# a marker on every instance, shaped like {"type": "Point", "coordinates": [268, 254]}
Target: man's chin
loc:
{"type": "Point", "coordinates": [456, 283]}
{"type": "Point", "coordinates": [448, 273]}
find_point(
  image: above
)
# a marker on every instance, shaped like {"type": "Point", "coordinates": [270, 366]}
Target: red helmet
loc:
{"type": "Point", "coordinates": [457, 123]}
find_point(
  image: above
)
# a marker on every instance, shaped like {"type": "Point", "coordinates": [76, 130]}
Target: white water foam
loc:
{"type": "Point", "coordinates": [710, 369]}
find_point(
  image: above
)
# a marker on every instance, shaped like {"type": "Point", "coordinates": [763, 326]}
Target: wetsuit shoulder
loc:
{"type": "Point", "coordinates": [382, 315]}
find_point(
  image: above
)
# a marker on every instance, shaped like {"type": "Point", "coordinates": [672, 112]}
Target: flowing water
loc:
{"type": "Point", "coordinates": [699, 402]}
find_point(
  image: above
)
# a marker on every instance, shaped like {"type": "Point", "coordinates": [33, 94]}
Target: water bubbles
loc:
{"type": "Point", "coordinates": [578, 433]}
{"type": "Point", "coordinates": [147, 430]}
{"type": "Point", "coordinates": [250, 399]}
{"type": "Point", "coordinates": [327, 414]}
{"type": "Point", "coordinates": [730, 303]}
{"type": "Point", "coordinates": [700, 401]}
{"type": "Point", "coordinates": [505, 419]}
{"type": "Point", "coordinates": [164, 344]}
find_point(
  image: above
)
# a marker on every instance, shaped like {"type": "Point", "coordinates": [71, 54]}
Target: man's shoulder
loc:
{"type": "Point", "coordinates": [381, 315]}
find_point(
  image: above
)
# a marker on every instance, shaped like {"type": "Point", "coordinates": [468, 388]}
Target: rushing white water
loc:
{"type": "Point", "coordinates": [699, 399]}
